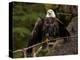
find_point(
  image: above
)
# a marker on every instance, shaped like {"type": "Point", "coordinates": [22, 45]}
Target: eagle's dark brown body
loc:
{"type": "Point", "coordinates": [47, 26]}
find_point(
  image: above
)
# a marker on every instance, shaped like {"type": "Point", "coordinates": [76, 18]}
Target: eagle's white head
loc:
{"type": "Point", "coordinates": [50, 13]}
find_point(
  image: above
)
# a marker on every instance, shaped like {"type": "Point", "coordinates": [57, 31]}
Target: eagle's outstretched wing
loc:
{"type": "Point", "coordinates": [37, 26]}
{"type": "Point", "coordinates": [59, 21]}
{"type": "Point", "coordinates": [36, 35]}
{"type": "Point", "coordinates": [63, 31]}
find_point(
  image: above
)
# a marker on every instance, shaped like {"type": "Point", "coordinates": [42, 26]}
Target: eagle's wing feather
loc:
{"type": "Point", "coordinates": [37, 25]}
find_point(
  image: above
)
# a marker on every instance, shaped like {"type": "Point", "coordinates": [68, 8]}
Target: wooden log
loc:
{"type": "Point", "coordinates": [24, 53]}
{"type": "Point", "coordinates": [33, 52]}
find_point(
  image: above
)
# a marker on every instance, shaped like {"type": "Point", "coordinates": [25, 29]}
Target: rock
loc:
{"type": "Point", "coordinates": [73, 26]}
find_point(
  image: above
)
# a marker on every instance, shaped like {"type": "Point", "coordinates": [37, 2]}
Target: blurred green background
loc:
{"type": "Point", "coordinates": [25, 15]}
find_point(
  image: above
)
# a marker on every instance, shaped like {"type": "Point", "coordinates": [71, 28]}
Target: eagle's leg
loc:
{"type": "Point", "coordinates": [45, 45]}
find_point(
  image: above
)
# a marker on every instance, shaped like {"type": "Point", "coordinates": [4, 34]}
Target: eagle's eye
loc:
{"type": "Point", "coordinates": [50, 11]}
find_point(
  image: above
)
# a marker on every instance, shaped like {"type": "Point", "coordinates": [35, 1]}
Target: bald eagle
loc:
{"type": "Point", "coordinates": [49, 25]}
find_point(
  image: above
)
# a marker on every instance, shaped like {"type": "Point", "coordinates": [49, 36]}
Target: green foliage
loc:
{"type": "Point", "coordinates": [24, 18]}
{"type": "Point", "coordinates": [20, 37]}
{"type": "Point", "coordinates": [21, 31]}
{"type": "Point", "coordinates": [18, 55]}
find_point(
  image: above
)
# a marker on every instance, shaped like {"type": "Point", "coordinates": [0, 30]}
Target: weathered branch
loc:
{"type": "Point", "coordinates": [42, 43]}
